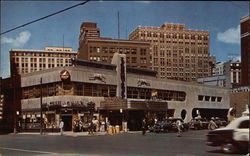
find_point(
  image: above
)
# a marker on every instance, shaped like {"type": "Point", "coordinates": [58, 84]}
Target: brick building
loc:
{"type": "Point", "coordinates": [245, 57]}
{"type": "Point", "coordinates": [95, 48]}
{"type": "Point", "coordinates": [177, 53]}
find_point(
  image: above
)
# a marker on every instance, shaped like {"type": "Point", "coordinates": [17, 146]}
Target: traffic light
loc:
{"type": "Point", "coordinates": [1, 106]}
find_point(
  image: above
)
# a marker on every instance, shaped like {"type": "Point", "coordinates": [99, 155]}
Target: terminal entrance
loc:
{"type": "Point", "coordinates": [67, 119]}
{"type": "Point", "coordinates": [209, 113]}
{"type": "Point", "coordinates": [135, 120]}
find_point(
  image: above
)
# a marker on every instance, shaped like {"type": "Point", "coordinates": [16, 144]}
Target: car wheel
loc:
{"type": "Point", "coordinates": [229, 148]}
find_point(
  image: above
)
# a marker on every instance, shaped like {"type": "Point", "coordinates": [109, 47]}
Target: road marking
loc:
{"type": "Point", "coordinates": [32, 151]}
{"type": "Point", "coordinates": [45, 152]}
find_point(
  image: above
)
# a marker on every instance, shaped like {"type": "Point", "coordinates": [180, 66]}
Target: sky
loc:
{"type": "Point", "coordinates": [220, 18]}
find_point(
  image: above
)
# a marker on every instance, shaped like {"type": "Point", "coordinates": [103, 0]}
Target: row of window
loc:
{"type": "Point", "coordinates": [88, 89]}
{"type": "Point", "coordinates": [57, 89]}
{"type": "Point", "coordinates": [61, 60]}
{"type": "Point", "coordinates": [141, 93]}
{"type": "Point", "coordinates": [44, 54]}
{"type": "Point", "coordinates": [209, 98]}
{"type": "Point", "coordinates": [111, 50]}
{"type": "Point", "coordinates": [175, 36]}
{"type": "Point", "coordinates": [143, 60]}
{"type": "Point", "coordinates": [41, 65]}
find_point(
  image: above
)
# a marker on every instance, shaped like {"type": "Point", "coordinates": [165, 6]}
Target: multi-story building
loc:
{"type": "Point", "coordinates": [95, 48]}
{"type": "Point", "coordinates": [117, 93]}
{"type": "Point", "coordinates": [88, 30]}
{"type": "Point", "coordinates": [27, 61]}
{"type": "Point", "coordinates": [177, 53]}
{"type": "Point", "coordinates": [226, 74]}
{"type": "Point", "coordinates": [245, 57]}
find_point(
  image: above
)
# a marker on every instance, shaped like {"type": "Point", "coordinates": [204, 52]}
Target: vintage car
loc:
{"type": "Point", "coordinates": [232, 138]}
{"type": "Point", "coordinates": [198, 123]}
{"type": "Point", "coordinates": [169, 125]}
{"type": "Point", "coordinates": [220, 122]}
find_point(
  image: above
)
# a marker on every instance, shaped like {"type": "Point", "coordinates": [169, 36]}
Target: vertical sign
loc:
{"type": "Point", "coordinates": [1, 106]}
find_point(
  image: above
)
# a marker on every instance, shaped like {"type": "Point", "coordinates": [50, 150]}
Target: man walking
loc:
{"type": "Point", "coordinates": [144, 125]}
{"type": "Point", "coordinates": [61, 126]}
{"type": "Point", "coordinates": [179, 126]}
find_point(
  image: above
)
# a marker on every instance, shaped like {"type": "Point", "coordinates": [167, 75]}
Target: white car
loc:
{"type": "Point", "coordinates": [232, 138]}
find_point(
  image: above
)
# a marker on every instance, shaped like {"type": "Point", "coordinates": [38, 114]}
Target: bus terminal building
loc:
{"type": "Point", "coordinates": [117, 93]}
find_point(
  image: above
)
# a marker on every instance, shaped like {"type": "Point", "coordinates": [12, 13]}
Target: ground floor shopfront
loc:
{"type": "Point", "coordinates": [113, 110]}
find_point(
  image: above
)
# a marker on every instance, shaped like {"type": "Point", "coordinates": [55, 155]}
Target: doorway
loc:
{"type": "Point", "coordinates": [67, 119]}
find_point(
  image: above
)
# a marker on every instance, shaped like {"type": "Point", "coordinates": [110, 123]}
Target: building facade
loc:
{"type": "Point", "coordinates": [245, 47]}
{"type": "Point", "coordinates": [177, 53]}
{"type": "Point", "coordinates": [10, 104]}
{"type": "Point", "coordinates": [95, 48]}
{"type": "Point", "coordinates": [239, 106]}
{"type": "Point", "coordinates": [26, 61]}
{"type": "Point", "coordinates": [117, 94]}
{"type": "Point", "coordinates": [226, 74]}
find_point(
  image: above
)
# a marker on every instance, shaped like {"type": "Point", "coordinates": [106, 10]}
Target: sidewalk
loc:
{"type": "Point", "coordinates": [67, 133]}
{"type": "Point", "coordinates": [73, 134]}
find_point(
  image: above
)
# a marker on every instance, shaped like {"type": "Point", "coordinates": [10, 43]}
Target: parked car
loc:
{"type": "Point", "coordinates": [198, 123]}
{"type": "Point", "coordinates": [220, 122]}
{"type": "Point", "coordinates": [168, 125]}
{"type": "Point", "coordinates": [171, 125]}
{"type": "Point", "coordinates": [232, 138]}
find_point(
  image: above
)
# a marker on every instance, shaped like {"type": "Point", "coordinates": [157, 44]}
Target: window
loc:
{"type": "Point", "coordinates": [219, 99]}
{"type": "Point", "coordinates": [134, 60]}
{"type": "Point", "coordinates": [213, 98]}
{"type": "Point", "coordinates": [200, 97]}
{"type": "Point", "coordinates": [244, 124]}
{"type": "Point", "coordinates": [207, 98]}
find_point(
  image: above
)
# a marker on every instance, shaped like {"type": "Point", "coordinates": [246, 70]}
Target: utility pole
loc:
{"type": "Point", "coordinates": [41, 110]}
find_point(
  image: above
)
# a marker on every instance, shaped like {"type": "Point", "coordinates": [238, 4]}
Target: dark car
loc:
{"type": "Point", "coordinates": [232, 138]}
{"type": "Point", "coordinates": [198, 123]}
{"type": "Point", "coordinates": [220, 122]}
{"type": "Point", "coordinates": [169, 125]}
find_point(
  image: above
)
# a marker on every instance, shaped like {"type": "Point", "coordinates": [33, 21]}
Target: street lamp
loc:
{"type": "Point", "coordinates": [15, 121]}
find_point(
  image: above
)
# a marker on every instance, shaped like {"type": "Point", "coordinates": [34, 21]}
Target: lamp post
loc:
{"type": "Point", "coordinates": [41, 102]}
{"type": "Point", "coordinates": [15, 121]}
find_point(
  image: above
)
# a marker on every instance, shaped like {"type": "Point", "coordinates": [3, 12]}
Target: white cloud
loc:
{"type": "Point", "coordinates": [19, 41]}
{"type": "Point", "coordinates": [232, 35]}
{"type": "Point", "coordinates": [237, 58]}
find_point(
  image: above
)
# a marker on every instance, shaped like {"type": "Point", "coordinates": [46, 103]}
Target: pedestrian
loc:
{"type": "Point", "coordinates": [212, 125]}
{"type": "Point", "coordinates": [61, 125]}
{"type": "Point", "coordinates": [90, 127]}
{"type": "Point", "coordinates": [102, 128]}
{"type": "Point", "coordinates": [144, 125]}
{"type": "Point", "coordinates": [179, 126]}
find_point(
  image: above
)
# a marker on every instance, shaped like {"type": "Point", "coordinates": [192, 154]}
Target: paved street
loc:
{"type": "Point", "coordinates": [192, 143]}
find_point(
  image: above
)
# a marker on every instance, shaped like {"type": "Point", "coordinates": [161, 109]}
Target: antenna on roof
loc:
{"type": "Point", "coordinates": [118, 25]}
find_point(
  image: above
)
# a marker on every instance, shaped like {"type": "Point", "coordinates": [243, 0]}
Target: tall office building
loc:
{"type": "Point", "coordinates": [95, 48]}
{"type": "Point", "coordinates": [88, 30]}
{"type": "Point", "coordinates": [26, 61]}
{"type": "Point", "coordinates": [177, 53]}
{"type": "Point", "coordinates": [245, 47]}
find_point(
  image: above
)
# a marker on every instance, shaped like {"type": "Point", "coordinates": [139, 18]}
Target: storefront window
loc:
{"type": "Point", "coordinates": [78, 89]}
{"type": "Point", "coordinates": [87, 90]}
{"type": "Point", "coordinates": [112, 91]}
